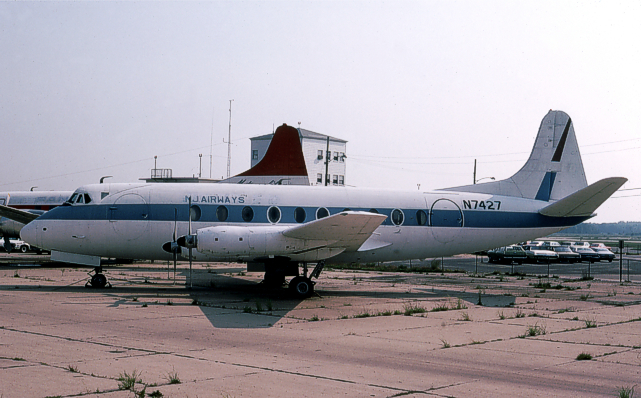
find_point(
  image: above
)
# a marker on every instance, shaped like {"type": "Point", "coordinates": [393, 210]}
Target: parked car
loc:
{"type": "Point", "coordinates": [537, 254]}
{"type": "Point", "coordinates": [580, 244]}
{"type": "Point", "coordinates": [566, 255]}
{"type": "Point", "coordinates": [599, 246]}
{"type": "Point", "coordinates": [587, 254]}
{"type": "Point", "coordinates": [507, 255]}
{"type": "Point", "coordinates": [16, 244]}
{"type": "Point", "coordinates": [604, 254]}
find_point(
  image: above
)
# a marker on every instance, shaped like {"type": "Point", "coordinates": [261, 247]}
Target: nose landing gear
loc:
{"type": "Point", "coordinates": [98, 279]}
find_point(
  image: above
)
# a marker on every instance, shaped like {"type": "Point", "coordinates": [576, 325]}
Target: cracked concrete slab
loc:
{"type": "Point", "coordinates": [231, 337]}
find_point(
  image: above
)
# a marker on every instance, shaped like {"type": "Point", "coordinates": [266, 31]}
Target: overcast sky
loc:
{"type": "Point", "coordinates": [418, 89]}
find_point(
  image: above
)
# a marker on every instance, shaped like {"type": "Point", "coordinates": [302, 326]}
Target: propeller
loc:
{"type": "Point", "coordinates": [173, 246]}
{"type": "Point", "coordinates": [189, 241]}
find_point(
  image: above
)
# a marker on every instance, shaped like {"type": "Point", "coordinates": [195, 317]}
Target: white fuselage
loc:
{"type": "Point", "coordinates": [135, 220]}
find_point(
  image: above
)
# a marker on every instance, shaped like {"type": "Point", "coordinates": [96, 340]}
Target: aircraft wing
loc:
{"type": "Point", "coordinates": [584, 201]}
{"type": "Point", "coordinates": [348, 229]}
{"type": "Point", "coordinates": [20, 216]}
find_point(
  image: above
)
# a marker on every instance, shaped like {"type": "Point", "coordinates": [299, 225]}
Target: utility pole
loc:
{"type": "Point", "coordinates": [200, 170]}
{"type": "Point", "coordinates": [229, 143]}
{"type": "Point", "coordinates": [474, 178]}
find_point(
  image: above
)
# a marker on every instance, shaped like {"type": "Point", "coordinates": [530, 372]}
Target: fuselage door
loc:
{"type": "Point", "coordinates": [446, 220]}
{"type": "Point", "coordinates": [129, 216]}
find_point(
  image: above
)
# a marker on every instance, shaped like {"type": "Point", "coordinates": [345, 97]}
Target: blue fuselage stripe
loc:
{"type": "Point", "coordinates": [208, 214]}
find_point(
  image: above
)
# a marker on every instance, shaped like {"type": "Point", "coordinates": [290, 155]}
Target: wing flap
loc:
{"type": "Point", "coordinates": [584, 201]}
{"type": "Point", "coordinates": [20, 216]}
{"type": "Point", "coordinates": [348, 229]}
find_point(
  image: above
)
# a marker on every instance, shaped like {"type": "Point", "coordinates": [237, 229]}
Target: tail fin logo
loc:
{"type": "Point", "coordinates": [561, 146]}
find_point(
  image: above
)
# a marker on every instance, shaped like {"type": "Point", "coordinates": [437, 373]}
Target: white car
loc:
{"type": "Point", "coordinates": [16, 244]}
{"type": "Point", "coordinates": [536, 254]}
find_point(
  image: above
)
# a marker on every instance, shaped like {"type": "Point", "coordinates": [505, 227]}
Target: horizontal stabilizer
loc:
{"type": "Point", "coordinates": [585, 201]}
{"type": "Point", "coordinates": [20, 216]}
{"type": "Point", "coordinates": [347, 229]}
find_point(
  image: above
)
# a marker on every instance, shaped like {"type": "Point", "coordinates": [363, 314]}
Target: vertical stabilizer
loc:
{"type": "Point", "coordinates": [553, 171]}
{"type": "Point", "coordinates": [283, 163]}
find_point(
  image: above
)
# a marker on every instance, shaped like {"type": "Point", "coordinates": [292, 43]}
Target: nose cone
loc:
{"type": "Point", "coordinates": [29, 233]}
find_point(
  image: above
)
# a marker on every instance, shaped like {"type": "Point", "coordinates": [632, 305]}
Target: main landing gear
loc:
{"type": "Point", "coordinates": [302, 286]}
{"type": "Point", "coordinates": [98, 279]}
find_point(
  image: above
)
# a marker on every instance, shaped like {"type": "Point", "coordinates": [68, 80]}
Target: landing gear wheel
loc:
{"type": "Point", "coordinates": [301, 287]}
{"type": "Point", "coordinates": [99, 281]}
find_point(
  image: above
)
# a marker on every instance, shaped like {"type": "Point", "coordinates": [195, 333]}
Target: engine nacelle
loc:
{"type": "Point", "coordinates": [10, 228]}
{"type": "Point", "coordinates": [247, 243]}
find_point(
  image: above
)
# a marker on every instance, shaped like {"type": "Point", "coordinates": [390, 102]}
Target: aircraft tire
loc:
{"type": "Point", "coordinates": [23, 249]}
{"type": "Point", "coordinates": [301, 287]}
{"type": "Point", "coordinates": [98, 281]}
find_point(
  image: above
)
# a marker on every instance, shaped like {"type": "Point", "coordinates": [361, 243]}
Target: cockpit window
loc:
{"type": "Point", "coordinates": [72, 199]}
{"type": "Point", "coordinates": [78, 198]}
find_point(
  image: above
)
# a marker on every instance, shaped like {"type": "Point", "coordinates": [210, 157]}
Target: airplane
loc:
{"type": "Point", "coordinates": [279, 229]}
{"type": "Point", "coordinates": [30, 205]}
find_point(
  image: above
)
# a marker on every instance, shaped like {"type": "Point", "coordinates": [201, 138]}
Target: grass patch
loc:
{"type": "Point", "coordinates": [534, 330]}
{"type": "Point", "coordinates": [590, 323]}
{"type": "Point", "coordinates": [413, 309]}
{"type": "Point", "coordinates": [584, 356]}
{"type": "Point", "coordinates": [314, 318]}
{"type": "Point", "coordinates": [364, 314]}
{"type": "Point", "coordinates": [625, 392]}
{"type": "Point", "coordinates": [72, 369]}
{"type": "Point", "coordinates": [442, 307]}
{"type": "Point", "coordinates": [128, 381]}
{"type": "Point", "coordinates": [445, 343]}
{"type": "Point", "coordinates": [584, 297]}
{"type": "Point", "coordinates": [519, 313]}
{"type": "Point", "coordinates": [172, 377]}
{"type": "Point", "coordinates": [501, 315]}
{"type": "Point", "coordinates": [465, 317]}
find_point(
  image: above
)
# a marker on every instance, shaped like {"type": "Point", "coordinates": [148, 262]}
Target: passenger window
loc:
{"type": "Point", "coordinates": [421, 217]}
{"type": "Point", "coordinates": [397, 217]}
{"type": "Point", "coordinates": [273, 214]}
{"type": "Point", "coordinates": [321, 213]}
{"type": "Point", "coordinates": [222, 213]}
{"type": "Point", "coordinates": [195, 213]}
{"type": "Point", "coordinates": [247, 213]}
{"type": "Point", "coordinates": [299, 215]}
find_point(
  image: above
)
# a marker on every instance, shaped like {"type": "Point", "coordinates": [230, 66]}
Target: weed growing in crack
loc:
{"type": "Point", "coordinates": [625, 392]}
{"type": "Point", "coordinates": [128, 381]}
{"type": "Point", "coordinates": [584, 356]}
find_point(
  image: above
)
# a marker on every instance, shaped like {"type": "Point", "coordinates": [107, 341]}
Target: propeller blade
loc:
{"type": "Point", "coordinates": [175, 258]}
{"type": "Point", "coordinates": [175, 223]}
{"type": "Point", "coordinates": [190, 279]}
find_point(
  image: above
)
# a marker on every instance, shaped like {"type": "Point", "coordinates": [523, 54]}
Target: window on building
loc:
{"type": "Point", "coordinates": [319, 178]}
{"type": "Point", "coordinates": [335, 156]}
{"type": "Point", "coordinates": [341, 180]}
{"type": "Point", "coordinates": [254, 154]}
{"type": "Point", "coordinates": [320, 154]}
{"type": "Point", "coordinates": [341, 157]}
{"type": "Point", "coordinates": [335, 180]}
